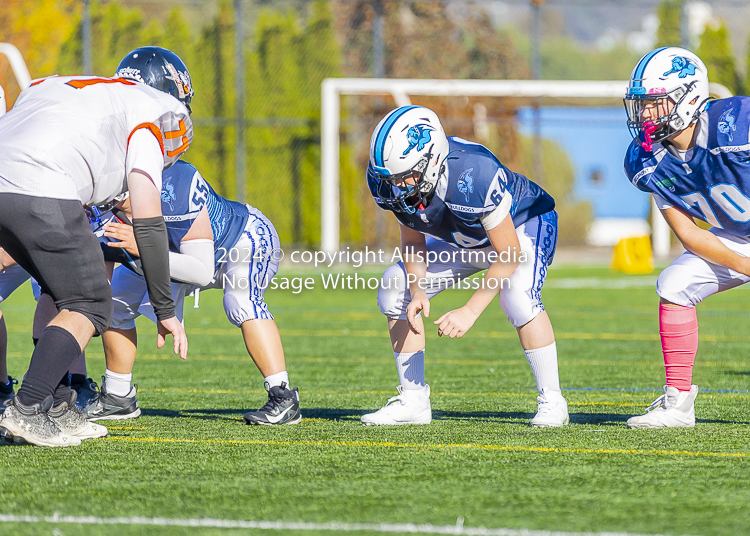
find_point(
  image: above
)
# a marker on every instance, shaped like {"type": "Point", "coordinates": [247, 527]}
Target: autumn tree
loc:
{"type": "Point", "coordinates": [715, 51]}
{"type": "Point", "coordinates": [37, 28]}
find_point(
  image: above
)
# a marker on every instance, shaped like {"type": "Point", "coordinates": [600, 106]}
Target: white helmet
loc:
{"type": "Point", "coordinates": [409, 142]}
{"type": "Point", "coordinates": [667, 72]}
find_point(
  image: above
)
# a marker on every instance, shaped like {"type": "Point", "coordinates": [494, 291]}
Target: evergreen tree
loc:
{"type": "Point", "coordinates": [716, 53]}
{"type": "Point", "coordinates": [212, 71]}
{"type": "Point", "coordinates": [115, 31]}
{"type": "Point", "coordinates": [669, 33]}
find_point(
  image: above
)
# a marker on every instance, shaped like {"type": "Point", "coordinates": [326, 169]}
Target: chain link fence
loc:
{"type": "Point", "coordinates": [290, 46]}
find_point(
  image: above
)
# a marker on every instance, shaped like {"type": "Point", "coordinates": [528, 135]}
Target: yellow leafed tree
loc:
{"type": "Point", "coordinates": [37, 28]}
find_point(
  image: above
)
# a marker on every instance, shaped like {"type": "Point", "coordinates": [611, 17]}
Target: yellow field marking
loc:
{"type": "Point", "coordinates": [475, 334]}
{"type": "Point", "coordinates": [574, 403]}
{"type": "Point", "coordinates": [127, 428]}
{"type": "Point", "coordinates": [441, 446]}
{"type": "Point", "coordinates": [656, 362]}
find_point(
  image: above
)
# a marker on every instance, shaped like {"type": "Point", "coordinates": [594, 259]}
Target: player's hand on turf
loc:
{"type": "Point", "coordinates": [124, 236]}
{"type": "Point", "coordinates": [420, 302]}
{"type": "Point", "coordinates": [175, 328]}
{"type": "Point", "coordinates": [456, 323]}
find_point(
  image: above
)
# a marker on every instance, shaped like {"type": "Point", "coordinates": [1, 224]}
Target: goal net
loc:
{"type": "Point", "coordinates": [568, 136]}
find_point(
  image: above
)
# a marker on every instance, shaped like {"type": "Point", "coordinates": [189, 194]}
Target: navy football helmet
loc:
{"type": "Point", "coordinates": [159, 68]}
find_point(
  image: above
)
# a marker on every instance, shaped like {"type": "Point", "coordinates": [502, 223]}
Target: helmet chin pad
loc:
{"type": "Point", "coordinates": [648, 129]}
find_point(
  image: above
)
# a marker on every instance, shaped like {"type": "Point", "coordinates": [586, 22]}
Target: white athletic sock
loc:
{"type": "Point", "coordinates": [274, 380]}
{"type": "Point", "coordinates": [117, 384]}
{"type": "Point", "coordinates": [543, 363]}
{"type": "Point", "coordinates": [410, 368]}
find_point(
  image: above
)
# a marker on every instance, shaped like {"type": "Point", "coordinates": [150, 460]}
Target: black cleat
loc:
{"type": "Point", "coordinates": [106, 406]}
{"type": "Point", "coordinates": [282, 408]}
{"type": "Point", "coordinates": [7, 393]}
{"type": "Point", "coordinates": [85, 392]}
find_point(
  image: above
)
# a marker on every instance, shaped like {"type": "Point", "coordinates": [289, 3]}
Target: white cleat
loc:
{"type": "Point", "coordinates": [32, 425]}
{"type": "Point", "coordinates": [71, 420]}
{"type": "Point", "coordinates": [410, 406]}
{"type": "Point", "coordinates": [673, 409]}
{"type": "Point", "coordinates": [552, 411]}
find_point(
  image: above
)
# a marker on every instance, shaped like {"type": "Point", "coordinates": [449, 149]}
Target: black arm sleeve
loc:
{"type": "Point", "coordinates": [153, 245]}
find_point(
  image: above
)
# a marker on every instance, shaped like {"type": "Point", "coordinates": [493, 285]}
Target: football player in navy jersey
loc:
{"type": "Point", "coordinates": [209, 237]}
{"type": "Point", "coordinates": [463, 211]}
{"type": "Point", "coordinates": [692, 155]}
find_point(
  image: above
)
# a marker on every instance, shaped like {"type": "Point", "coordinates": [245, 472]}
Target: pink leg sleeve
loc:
{"type": "Point", "coordinates": [678, 327]}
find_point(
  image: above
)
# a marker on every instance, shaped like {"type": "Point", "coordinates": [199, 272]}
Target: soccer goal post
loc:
{"type": "Point", "coordinates": [402, 89]}
{"type": "Point", "coordinates": [20, 71]}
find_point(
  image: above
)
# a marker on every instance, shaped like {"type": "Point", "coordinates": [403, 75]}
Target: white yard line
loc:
{"type": "Point", "coordinates": [395, 528]}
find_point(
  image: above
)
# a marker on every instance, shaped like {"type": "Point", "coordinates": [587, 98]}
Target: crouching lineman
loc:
{"type": "Point", "coordinates": [71, 141]}
{"type": "Point", "coordinates": [692, 155]}
{"type": "Point", "coordinates": [209, 238]}
{"type": "Point", "coordinates": [452, 196]}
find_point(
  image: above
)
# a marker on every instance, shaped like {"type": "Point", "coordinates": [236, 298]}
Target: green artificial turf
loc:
{"type": "Point", "coordinates": [190, 455]}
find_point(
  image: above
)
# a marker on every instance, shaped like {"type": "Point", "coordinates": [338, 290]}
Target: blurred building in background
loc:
{"type": "Point", "coordinates": [290, 46]}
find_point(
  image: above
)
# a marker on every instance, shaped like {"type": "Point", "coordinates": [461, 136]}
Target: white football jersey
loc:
{"type": "Point", "coordinates": [67, 137]}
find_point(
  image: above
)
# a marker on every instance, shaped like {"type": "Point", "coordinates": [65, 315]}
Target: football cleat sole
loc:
{"type": "Point", "coordinates": [13, 439]}
{"type": "Point", "coordinates": [296, 420]}
{"type": "Point", "coordinates": [133, 415]}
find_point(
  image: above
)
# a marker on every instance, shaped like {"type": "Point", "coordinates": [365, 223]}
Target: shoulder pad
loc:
{"type": "Point", "coordinates": [177, 134]}
{"type": "Point", "coordinates": [477, 179]}
{"type": "Point", "coordinates": [728, 124]}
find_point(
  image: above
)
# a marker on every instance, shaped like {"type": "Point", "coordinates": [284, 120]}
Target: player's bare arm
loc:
{"type": "Point", "coordinates": [457, 322]}
{"type": "Point", "coordinates": [413, 242]}
{"type": "Point", "coordinates": [704, 243]}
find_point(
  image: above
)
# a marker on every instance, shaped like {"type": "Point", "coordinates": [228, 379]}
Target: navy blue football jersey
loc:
{"type": "Point", "coordinates": [713, 185]}
{"type": "Point", "coordinates": [184, 193]}
{"type": "Point", "coordinates": [474, 185]}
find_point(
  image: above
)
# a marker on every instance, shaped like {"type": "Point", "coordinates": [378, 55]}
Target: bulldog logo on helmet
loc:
{"type": "Point", "coordinates": [681, 65]}
{"type": "Point", "coordinates": [418, 136]}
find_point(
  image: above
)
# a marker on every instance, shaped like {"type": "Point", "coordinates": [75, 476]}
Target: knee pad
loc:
{"type": "Point", "coordinates": [674, 285]}
{"type": "Point", "coordinates": [123, 316]}
{"type": "Point", "coordinates": [239, 308]}
{"type": "Point", "coordinates": [393, 294]}
{"type": "Point", "coordinates": [519, 307]}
